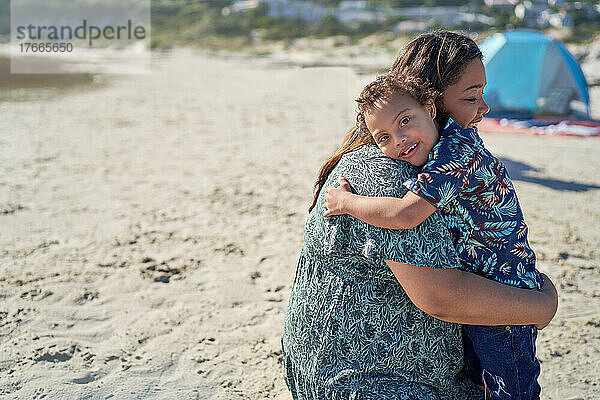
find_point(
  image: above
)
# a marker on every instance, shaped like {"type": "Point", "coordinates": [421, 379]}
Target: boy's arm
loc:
{"type": "Point", "coordinates": [385, 212]}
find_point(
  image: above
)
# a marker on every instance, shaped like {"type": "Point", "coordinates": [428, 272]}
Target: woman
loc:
{"type": "Point", "coordinates": [351, 330]}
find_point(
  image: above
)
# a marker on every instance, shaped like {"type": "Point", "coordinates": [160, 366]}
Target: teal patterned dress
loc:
{"type": "Point", "coordinates": [350, 330]}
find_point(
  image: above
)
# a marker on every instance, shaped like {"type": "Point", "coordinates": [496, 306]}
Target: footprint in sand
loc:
{"type": "Point", "coordinates": [87, 378]}
{"type": "Point", "coordinates": [86, 296]}
{"type": "Point", "coordinates": [11, 208]}
{"type": "Point", "coordinates": [166, 270]}
{"type": "Point", "coordinates": [39, 394]}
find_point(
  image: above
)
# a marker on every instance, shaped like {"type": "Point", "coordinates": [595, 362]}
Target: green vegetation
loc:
{"type": "Point", "coordinates": [202, 22]}
{"type": "Point", "coordinates": [583, 28]}
{"type": "Point", "coordinates": [4, 17]}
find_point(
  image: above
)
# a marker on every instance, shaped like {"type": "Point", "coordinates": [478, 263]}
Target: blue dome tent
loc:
{"type": "Point", "coordinates": [530, 73]}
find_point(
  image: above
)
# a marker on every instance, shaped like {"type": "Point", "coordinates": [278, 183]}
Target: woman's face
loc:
{"type": "Point", "coordinates": [463, 101]}
{"type": "Point", "coordinates": [402, 128]}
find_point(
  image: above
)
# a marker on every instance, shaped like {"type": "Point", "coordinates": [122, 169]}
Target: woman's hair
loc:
{"type": "Point", "coordinates": [439, 59]}
{"type": "Point", "coordinates": [428, 64]}
{"type": "Point", "coordinates": [381, 88]}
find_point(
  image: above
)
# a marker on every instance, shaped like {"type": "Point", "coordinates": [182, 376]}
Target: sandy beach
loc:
{"type": "Point", "coordinates": [150, 227]}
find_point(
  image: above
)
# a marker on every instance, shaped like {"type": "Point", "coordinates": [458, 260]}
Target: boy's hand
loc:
{"type": "Point", "coordinates": [335, 198]}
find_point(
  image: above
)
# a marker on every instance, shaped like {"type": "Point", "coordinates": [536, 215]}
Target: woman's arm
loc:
{"type": "Point", "coordinates": [462, 297]}
{"type": "Point", "coordinates": [384, 212]}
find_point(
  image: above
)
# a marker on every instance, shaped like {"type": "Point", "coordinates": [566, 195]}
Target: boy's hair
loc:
{"type": "Point", "coordinates": [381, 88]}
{"type": "Point", "coordinates": [385, 86]}
{"type": "Point", "coordinates": [432, 62]}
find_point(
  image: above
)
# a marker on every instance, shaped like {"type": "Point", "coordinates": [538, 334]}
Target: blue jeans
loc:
{"type": "Point", "coordinates": [502, 358]}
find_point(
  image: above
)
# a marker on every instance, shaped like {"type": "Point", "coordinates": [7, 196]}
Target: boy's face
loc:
{"type": "Point", "coordinates": [463, 101]}
{"type": "Point", "coordinates": [402, 128]}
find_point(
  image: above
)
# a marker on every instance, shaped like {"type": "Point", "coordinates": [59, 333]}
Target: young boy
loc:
{"type": "Point", "coordinates": [473, 191]}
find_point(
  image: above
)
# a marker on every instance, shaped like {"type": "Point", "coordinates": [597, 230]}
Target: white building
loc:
{"type": "Point", "coordinates": [446, 16]}
{"type": "Point", "coordinates": [239, 6]}
{"type": "Point", "coordinates": [353, 5]}
{"type": "Point", "coordinates": [501, 3]}
{"type": "Point", "coordinates": [411, 27]}
{"type": "Point", "coordinates": [529, 13]}
{"type": "Point", "coordinates": [557, 20]}
{"type": "Point", "coordinates": [355, 11]}
{"type": "Point", "coordinates": [304, 10]}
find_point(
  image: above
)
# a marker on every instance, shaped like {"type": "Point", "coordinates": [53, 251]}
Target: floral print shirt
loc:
{"type": "Point", "coordinates": [472, 189]}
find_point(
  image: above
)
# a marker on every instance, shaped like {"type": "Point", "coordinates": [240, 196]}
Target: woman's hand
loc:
{"type": "Point", "coordinates": [336, 197]}
{"type": "Point", "coordinates": [550, 292]}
